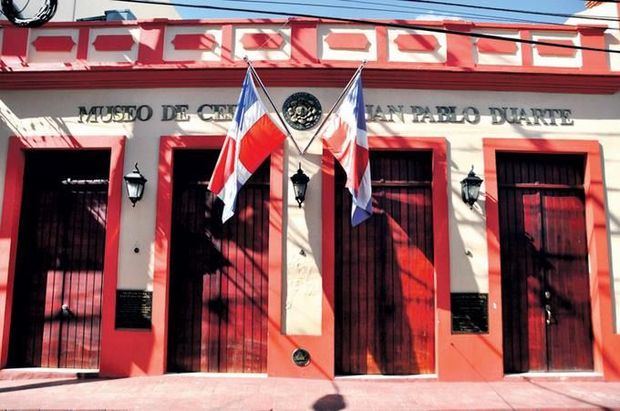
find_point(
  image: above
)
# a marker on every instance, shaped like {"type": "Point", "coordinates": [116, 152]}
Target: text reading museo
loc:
{"type": "Point", "coordinates": [531, 116]}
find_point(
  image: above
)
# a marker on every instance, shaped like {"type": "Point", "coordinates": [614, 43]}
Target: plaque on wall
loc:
{"type": "Point", "coordinates": [302, 111]}
{"type": "Point", "coordinates": [470, 313]}
{"type": "Point", "coordinates": [133, 309]}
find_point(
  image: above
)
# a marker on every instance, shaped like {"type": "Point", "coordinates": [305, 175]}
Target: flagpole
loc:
{"type": "Point", "coordinates": [346, 89]}
{"type": "Point", "coordinates": [262, 86]}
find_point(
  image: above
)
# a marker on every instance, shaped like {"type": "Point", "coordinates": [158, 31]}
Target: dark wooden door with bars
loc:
{"type": "Point", "coordinates": [544, 256]}
{"type": "Point", "coordinates": [384, 271]}
{"type": "Point", "coordinates": [56, 312]}
{"type": "Point", "coordinates": [218, 275]}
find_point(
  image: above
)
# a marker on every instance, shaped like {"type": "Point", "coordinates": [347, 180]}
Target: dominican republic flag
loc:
{"type": "Point", "coordinates": [251, 138]}
{"type": "Point", "coordinates": [346, 137]}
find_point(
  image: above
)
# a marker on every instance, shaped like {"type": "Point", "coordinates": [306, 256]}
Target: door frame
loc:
{"type": "Point", "coordinates": [606, 343]}
{"type": "Point", "coordinates": [163, 223]}
{"type": "Point", "coordinates": [441, 236]}
{"type": "Point", "coordinates": [9, 228]}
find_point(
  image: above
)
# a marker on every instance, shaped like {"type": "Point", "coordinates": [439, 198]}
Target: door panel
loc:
{"type": "Point", "coordinates": [545, 281]}
{"type": "Point", "coordinates": [384, 271]}
{"type": "Point", "coordinates": [218, 276]}
{"type": "Point", "coordinates": [534, 284]}
{"type": "Point", "coordinates": [60, 261]}
{"type": "Point", "coordinates": [570, 334]}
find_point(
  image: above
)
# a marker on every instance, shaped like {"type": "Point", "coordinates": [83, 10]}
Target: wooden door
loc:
{"type": "Point", "coordinates": [59, 270]}
{"type": "Point", "coordinates": [545, 282]}
{"type": "Point", "coordinates": [218, 276]}
{"type": "Point", "coordinates": [384, 271]}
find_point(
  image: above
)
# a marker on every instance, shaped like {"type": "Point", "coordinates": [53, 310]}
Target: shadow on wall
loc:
{"type": "Point", "coordinates": [384, 273]}
{"type": "Point", "coordinates": [612, 220]}
{"type": "Point", "coordinates": [461, 258]}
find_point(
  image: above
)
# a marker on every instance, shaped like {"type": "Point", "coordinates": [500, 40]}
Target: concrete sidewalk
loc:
{"type": "Point", "coordinates": [190, 392]}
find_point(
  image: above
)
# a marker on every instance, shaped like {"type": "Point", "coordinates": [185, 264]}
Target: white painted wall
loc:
{"type": "Point", "coordinates": [596, 118]}
{"type": "Point", "coordinates": [607, 10]}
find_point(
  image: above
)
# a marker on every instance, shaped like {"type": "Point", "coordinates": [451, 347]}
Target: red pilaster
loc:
{"type": "Point", "coordinates": [526, 49]}
{"type": "Point", "coordinates": [383, 54]}
{"type": "Point", "coordinates": [227, 43]}
{"type": "Point", "coordinates": [459, 46]}
{"type": "Point", "coordinates": [82, 50]}
{"type": "Point", "coordinates": [304, 42]}
{"type": "Point", "coordinates": [151, 50]}
{"type": "Point", "coordinates": [594, 36]}
{"type": "Point", "coordinates": [14, 45]}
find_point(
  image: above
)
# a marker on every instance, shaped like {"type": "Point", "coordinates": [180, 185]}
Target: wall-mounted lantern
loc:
{"type": "Point", "coordinates": [470, 188]}
{"type": "Point", "coordinates": [300, 184]}
{"type": "Point", "coordinates": [135, 183]}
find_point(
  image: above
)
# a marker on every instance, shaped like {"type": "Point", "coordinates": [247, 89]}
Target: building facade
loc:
{"type": "Point", "coordinates": [527, 280]}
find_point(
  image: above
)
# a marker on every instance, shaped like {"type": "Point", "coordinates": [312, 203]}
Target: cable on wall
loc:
{"type": "Point", "coordinates": [45, 13]}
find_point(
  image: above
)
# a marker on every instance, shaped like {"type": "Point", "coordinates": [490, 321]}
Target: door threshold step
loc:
{"type": "Point", "coordinates": [45, 373]}
{"type": "Point", "coordinates": [413, 377]}
{"type": "Point", "coordinates": [556, 376]}
{"type": "Point", "coordinates": [218, 375]}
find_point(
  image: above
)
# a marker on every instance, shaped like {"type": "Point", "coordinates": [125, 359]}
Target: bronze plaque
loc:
{"type": "Point", "coordinates": [302, 111]}
{"type": "Point", "coordinates": [133, 309]}
{"type": "Point", "coordinates": [470, 313]}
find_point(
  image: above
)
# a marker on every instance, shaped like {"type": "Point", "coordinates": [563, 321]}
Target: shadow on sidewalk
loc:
{"type": "Point", "coordinates": [49, 384]}
{"type": "Point", "coordinates": [329, 402]}
{"type": "Point", "coordinates": [581, 400]}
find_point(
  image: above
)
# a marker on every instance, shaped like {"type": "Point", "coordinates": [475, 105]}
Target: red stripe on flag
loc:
{"type": "Point", "coordinates": [225, 166]}
{"type": "Point", "coordinates": [342, 148]}
{"type": "Point", "coordinates": [360, 162]}
{"type": "Point", "coordinates": [336, 142]}
{"type": "Point", "coordinates": [258, 142]}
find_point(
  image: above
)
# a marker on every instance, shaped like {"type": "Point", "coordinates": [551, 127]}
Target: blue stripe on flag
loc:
{"type": "Point", "coordinates": [246, 98]}
{"type": "Point", "coordinates": [360, 215]}
{"type": "Point", "coordinates": [360, 109]}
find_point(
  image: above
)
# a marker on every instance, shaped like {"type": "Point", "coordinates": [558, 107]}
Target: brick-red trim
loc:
{"type": "Point", "coordinates": [197, 41]}
{"type": "Point", "coordinates": [304, 66]}
{"type": "Point", "coordinates": [53, 43]}
{"type": "Point", "coordinates": [606, 340]}
{"type": "Point", "coordinates": [154, 348]}
{"type": "Point", "coordinates": [491, 46]}
{"type": "Point", "coordinates": [441, 237]}
{"type": "Point", "coordinates": [550, 51]}
{"type": "Point", "coordinates": [416, 42]}
{"type": "Point", "coordinates": [114, 348]}
{"type": "Point", "coordinates": [347, 41]}
{"type": "Point", "coordinates": [113, 42]}
{"type": "Point", "coordinates": [262, 41]}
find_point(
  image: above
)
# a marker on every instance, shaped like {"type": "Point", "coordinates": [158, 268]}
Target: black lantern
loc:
{"type": "Point", "coordinates": [135, 182]}
{"type": "Point", "coordinates": [470, 188]}
{"type": "Point", "coordinates": [300, 184]}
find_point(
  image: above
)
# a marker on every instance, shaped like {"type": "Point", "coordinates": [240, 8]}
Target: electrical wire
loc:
{"type": "Point", "coordinates": [45, 13]}
{"type": "Point", "coordinates": [537, 13]}
{"type": "Point", "coordinates": [449, 12]}
{"type": "Point", "coordinates": [375, 23]}
{"type": "Point", "coordinates": [24, 8]}
{"type": "Point", "coordinates": [416, 10]}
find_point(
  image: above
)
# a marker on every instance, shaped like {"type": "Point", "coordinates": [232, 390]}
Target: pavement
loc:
{"type": "Point", "coordinates": [201, 392]}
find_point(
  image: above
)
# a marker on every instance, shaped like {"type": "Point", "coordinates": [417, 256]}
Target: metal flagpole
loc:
{"type": "Point", "coordinates": [346, 89]}
{"type": "Point", "coordinates": [262, 86]}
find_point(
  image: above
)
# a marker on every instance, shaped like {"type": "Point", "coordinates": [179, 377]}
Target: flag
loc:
{"type": "Point", "coordinates": [252, 136]}
{"type": "Point", "coordinates": [346, 137]}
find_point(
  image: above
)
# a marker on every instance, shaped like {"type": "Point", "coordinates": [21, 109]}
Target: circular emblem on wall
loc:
{"type": "Point", "coordinates": [302, 111]}
{"type": "Point", "coordinates": [301, 357]}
